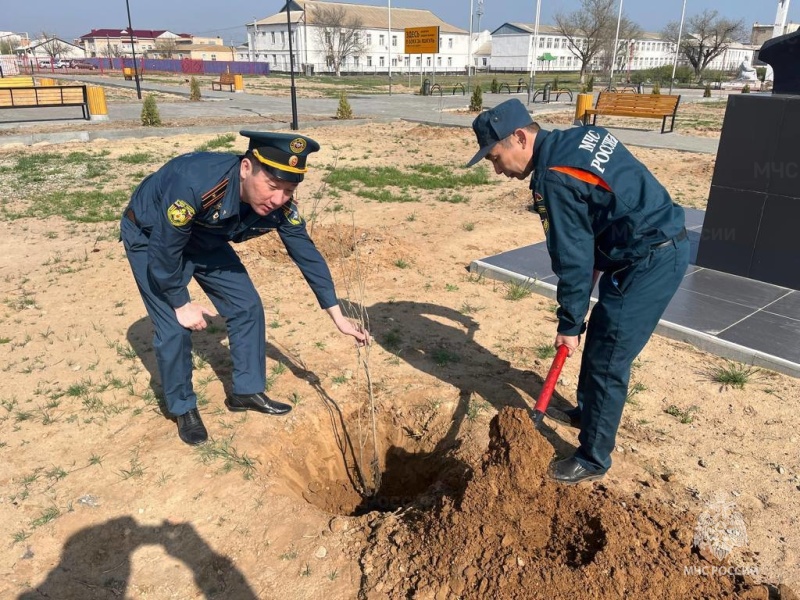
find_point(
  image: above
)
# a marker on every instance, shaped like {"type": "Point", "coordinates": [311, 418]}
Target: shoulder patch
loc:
{"type": "Point", "coordinates": [292, 214]}
{"type": "Point", "coordinates": [180, 213]}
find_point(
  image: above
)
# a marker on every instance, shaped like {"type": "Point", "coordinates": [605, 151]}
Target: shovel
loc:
{"type": "Point", "coordinates": [549, 385]}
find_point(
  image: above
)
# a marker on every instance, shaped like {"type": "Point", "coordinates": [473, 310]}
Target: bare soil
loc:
{"type": "Point", "coordinates": [100, 499]}
{"type": "Point", "coordinates": [512, 533]}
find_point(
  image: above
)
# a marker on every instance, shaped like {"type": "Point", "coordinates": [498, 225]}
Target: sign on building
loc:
{"type": "Point", "coordinates": [422, 40]}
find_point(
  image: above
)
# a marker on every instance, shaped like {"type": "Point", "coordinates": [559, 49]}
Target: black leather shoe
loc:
{"type": "Point", "coordinates": [570, 471]}
{"type": "Point", "coordinates": [257, 402]}
{"type": "Point", "coordinates": [571, 417]}
{"type": "Point", "coordinates": [191, 429]}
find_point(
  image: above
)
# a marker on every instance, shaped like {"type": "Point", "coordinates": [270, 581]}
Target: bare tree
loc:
{"type": "Point", "coordinates": [166, 47]}
{"type": "Point", "coordinates": [110, 52]}
{"type": "Point", "coordinates": [587, 29]}
{"type": "Point", "coordinates": [52, 46]}
{"type": "Point", "coordinates": [339, 33]}
{"type": "Point", "coordinates": [9, 44]}
{"type": "Point", "coordinates": [628, 32]}
{"type": "Point", "coordinates": [707, 35]}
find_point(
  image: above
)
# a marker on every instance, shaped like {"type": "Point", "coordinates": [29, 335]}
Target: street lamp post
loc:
{"type": "Point", "coordinates": [133, 53]}
{"type": "Point", "coordinates": [614, 50]}
{"type": "Point", "coordinates": [469, 50]}
{"type": "Point", "coordinates": [677, 48]}
{"type": "Point", "coordinates": [291, 67]}
{"type": "Point", "coordinates": [535, 50]}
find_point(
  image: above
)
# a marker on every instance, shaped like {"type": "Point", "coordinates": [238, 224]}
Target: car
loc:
{"type": "Point", "coordinates": [82, 64]}
{"type": "Point", "coordinates": [44, 63]}
{"type": "Point", "coordinates": [60, 64]}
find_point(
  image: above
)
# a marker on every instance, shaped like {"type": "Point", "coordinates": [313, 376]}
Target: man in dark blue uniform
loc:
{"type": "Point", "coordinates": [178, 226]}
{"type": "Point", "coordinates": [603, 213]}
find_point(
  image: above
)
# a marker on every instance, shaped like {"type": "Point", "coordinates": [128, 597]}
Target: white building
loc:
{"type": "Point", "coordinates": [733, 57]}
{"type": "Point", "coordinates": [41, 48]}
{"type": "Point", "coordinates": [513, 50]}
{"type": "Point", "coordinates": [268, 40]}
{"type": "Point", "coordinates": [482, 50]}
{"type": "Point", "coordinates": [651, 50]}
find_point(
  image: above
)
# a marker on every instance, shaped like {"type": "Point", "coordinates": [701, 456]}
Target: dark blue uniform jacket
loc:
{"type": "Point", "coordinates": [600, 208]}
{"type": "Point", "coordinates": [191, 206]}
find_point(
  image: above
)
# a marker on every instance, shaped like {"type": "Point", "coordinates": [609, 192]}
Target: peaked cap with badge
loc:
{"type": "Point", "coordinates": [282, 154]}
{"type": "Point", "coordinates": [180, 224]}
{"type": "Point", "coordinates": [496, 124]}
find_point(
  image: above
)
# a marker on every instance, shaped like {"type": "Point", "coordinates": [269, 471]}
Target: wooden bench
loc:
{"type": "Point", "coordinates": [45, 97]}
{"type": "Point", "coordinates": [228, 79]}
{"type": "Point", "coordinates": [16, 81]}
{"type": "Point", "coordinates": [648, 106]}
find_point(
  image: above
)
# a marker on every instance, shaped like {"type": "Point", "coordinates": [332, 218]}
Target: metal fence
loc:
{"type": "Point", "coordinates": [175, 65]}
{"type": "Point", "coordinates": [195, 66]}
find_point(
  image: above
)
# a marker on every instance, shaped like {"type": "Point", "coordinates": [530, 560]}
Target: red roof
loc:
{"type": "Point", "coordinates": [116, 33]}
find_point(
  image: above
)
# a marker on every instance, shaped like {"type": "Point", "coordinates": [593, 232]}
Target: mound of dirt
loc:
{"type": "Point", "coordinates": [515, 534]}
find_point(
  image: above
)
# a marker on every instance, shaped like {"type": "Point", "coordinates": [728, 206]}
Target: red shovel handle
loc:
{"type": "Point", "coordinates": [550, 384]}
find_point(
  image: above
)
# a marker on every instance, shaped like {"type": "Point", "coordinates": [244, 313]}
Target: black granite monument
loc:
{"type": "Point", "coordinates": [752, 223]}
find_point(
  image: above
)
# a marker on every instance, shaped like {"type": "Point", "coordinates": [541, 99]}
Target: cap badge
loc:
{"type": "Point", "coordinates": [293, 160]}
{"type": "Point", "coordinates": [297, 145]}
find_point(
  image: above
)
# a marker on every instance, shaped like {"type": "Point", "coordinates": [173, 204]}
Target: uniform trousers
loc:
{"type": "Point", "coordinates": [224, 279]}
{"type": "Point", "coordinates": [630, 304]}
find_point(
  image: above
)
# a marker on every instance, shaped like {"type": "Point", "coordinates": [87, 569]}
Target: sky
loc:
{"type": "Point", "coordinates": [204, 17]}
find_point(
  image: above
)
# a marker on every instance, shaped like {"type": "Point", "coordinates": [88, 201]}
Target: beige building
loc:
{"type": "Point", "coordinates": [186, 38]}
{"type": "Point", "coordinates": [111, 43]}
{"type": "Point", "coordinates": [212, 52]}
{"type": "Point", "coordinates": [154, 44]}
{"type": "Point", "coordinates": [760, 32]}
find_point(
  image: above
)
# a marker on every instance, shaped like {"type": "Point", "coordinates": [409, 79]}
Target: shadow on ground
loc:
{"type": "Point", "coordinates": [434, 339]}
{"type": "Point", "coordinates": [96, 562]}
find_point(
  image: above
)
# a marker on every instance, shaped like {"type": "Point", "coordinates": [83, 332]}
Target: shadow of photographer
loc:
{"type": "Point", "coordinates": [96, 562]}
